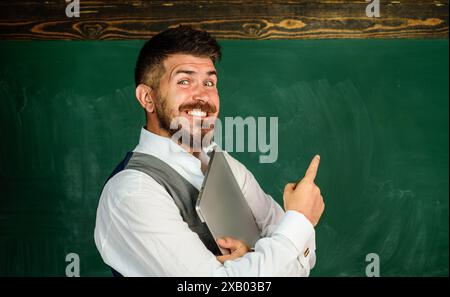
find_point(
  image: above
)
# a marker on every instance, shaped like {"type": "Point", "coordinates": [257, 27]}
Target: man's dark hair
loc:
{"type": "Point", "coordinates": [180, 40]}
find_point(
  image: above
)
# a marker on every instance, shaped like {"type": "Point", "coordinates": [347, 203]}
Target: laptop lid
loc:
{"type": "Point", "coordinates": [222, 206]}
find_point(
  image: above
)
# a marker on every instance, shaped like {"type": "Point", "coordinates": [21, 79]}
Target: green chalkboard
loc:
{"type": "Point", "coordinates": [375, 110]}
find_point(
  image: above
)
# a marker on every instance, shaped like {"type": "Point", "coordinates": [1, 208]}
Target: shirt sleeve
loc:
{"type": "Point", "coordinates": [140, 232]}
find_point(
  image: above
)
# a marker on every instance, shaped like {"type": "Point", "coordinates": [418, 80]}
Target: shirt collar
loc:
{"type": "Point", "coordinates": [174, 155]}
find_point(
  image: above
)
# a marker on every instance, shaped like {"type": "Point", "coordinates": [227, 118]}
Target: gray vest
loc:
{"type": "Point", "coordinates": [183, 193]}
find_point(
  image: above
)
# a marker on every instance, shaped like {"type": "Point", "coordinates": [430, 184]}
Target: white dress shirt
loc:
{"type": "Point", "coordinates": [139, 230]}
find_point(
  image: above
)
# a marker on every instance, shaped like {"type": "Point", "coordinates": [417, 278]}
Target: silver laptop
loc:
{"type": "Point", "coordinates": [222, 205]}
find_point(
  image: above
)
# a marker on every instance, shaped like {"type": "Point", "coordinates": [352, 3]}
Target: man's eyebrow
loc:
{"type": "Point", "coordinates": [212, 72]}
{"type": "Point", "coordinates": [190, 72]}
{"type": "Point", "coordinates": [184, 71]}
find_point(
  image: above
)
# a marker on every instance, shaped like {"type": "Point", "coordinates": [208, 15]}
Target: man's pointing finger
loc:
{"type": "Point", "coordinates": [311, 172]}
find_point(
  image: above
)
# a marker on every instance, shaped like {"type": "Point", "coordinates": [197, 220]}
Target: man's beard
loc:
{"type": "Point", "coordinates": [172, 124]}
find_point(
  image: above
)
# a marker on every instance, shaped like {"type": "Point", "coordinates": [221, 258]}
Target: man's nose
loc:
{"type": "Point", "coordinates": [200, 94]}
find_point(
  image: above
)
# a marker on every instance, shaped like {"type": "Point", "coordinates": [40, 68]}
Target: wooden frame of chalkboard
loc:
{"type": "Point", "coordinates": [311, 19]}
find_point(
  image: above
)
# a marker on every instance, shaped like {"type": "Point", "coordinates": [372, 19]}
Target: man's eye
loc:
{"type": "Point", "coordinates": [183, 82]}
{"type": "Point", "coordinates": [209, 83]}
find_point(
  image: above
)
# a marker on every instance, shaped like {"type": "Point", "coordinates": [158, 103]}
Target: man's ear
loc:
{"type": "Point", "coordinates": [145, 95]}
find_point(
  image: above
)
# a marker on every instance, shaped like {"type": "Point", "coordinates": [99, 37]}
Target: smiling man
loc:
{"type": "Point", "coordinates": [190, 83]}
{"type": "Point", "coordinates": [146, 222]}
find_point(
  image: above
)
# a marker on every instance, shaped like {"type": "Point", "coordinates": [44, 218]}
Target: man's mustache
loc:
{"type": "Point", "coordinates": [203, 106]}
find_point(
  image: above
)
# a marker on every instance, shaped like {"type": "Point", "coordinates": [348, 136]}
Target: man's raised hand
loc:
{"type": "Point", "coordinates": [305, 196]}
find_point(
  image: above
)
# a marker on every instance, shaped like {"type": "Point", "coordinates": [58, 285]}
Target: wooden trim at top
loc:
{"type": "Point", "coordinates": [311, 19]}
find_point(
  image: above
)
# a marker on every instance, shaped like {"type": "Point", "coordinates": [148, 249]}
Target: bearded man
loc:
{"type": "Point", "coordinates": [146, 223]}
